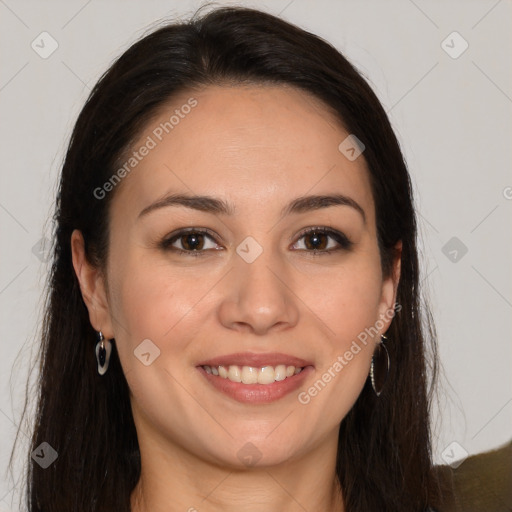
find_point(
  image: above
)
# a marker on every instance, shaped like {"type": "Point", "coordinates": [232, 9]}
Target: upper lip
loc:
{"type": "Point", "coordinates": [256, 360]}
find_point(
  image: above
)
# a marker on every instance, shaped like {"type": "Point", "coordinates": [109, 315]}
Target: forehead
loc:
{"type": "Point", "coordinates": [255, 145]}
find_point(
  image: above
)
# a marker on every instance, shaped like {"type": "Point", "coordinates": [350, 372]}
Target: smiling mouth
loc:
{"type": "Point", "coordinates": [253, 375]}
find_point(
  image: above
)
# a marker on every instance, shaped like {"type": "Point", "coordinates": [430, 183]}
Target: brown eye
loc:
{"type": "Point", "coordinates": [191, 241]}
{"type": "Point", "coordinates": [316, 240]}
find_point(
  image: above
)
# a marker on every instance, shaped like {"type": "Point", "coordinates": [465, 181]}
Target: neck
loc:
{"type": "Point", "coordinates": [175, 480]}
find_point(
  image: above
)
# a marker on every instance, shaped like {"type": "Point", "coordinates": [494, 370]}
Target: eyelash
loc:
{"type": "Point", "coordinates": [340, 238]}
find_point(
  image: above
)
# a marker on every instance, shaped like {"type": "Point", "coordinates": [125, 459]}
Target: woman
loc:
{"type": "Point", "coordinates": [233, 318]}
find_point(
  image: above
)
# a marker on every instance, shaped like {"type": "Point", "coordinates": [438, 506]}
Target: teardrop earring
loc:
{"type": "Point", "coordinates": [103, 350]}
{"type": "Point", "coordinates": [379, 368]}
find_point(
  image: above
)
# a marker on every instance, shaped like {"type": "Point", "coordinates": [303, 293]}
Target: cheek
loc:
{"type": "Point", "coordinates": [158, 314]}
{"type": "Point", "coordinates": [349, 310]}
{"type": "Point", "coordinates": [347, 299]}
{"type": "Point", "coordinates": [153, 303]}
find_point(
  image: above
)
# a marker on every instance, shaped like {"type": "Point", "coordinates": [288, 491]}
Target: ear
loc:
{"type": "Point", "coordinates": [92, 287]}
{"type": "Point", "coordinates": [389, 290]}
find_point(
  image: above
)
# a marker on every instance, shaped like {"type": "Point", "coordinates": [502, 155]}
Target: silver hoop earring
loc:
{"type": "Point", "coordinates": [103, 350]}
{"type": "Point", "coordinates": [379, 368]}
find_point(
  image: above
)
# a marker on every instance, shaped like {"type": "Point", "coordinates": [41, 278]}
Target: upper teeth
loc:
{"type": "Point", "coordinates": [253, 375]}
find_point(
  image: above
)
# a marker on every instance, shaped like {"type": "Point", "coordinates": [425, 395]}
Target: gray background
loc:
{"type": "Point", "coordinates": [453, 119]}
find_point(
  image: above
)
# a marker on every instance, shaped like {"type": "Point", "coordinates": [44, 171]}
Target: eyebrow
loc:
{"type": "Point", "coordinates": [219, 206]}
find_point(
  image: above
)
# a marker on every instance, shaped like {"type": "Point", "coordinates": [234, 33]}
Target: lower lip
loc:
{"type": "Point", "coordinates": [257, 393]}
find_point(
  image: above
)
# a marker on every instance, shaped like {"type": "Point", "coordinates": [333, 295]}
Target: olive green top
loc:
{"type": "Point", "coordinates": [482, 483]}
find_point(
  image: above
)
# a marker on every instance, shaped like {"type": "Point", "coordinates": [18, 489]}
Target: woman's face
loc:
{"type": "Point", "coordinates": [255, 290]}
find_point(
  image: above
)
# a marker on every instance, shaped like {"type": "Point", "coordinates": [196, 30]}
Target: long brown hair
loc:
{"type": "Point", "coordinates": [384, 457]}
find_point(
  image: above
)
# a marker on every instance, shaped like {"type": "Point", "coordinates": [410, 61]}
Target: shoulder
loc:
{"type": "Point", "coordinates": [480, 483]}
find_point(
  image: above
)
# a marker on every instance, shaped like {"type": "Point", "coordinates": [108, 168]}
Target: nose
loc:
{"type": "Point", "coordinates": [259, 296]}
